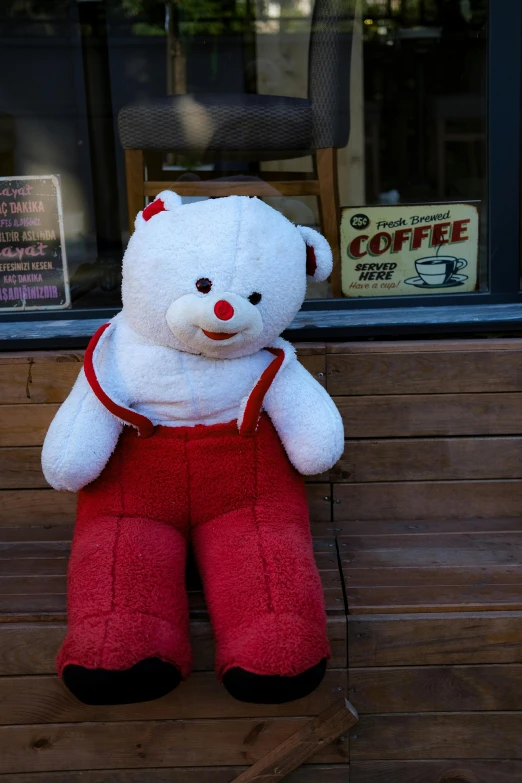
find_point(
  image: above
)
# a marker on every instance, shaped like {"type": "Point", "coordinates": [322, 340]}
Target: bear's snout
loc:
{"type": "Point", "coordinates": [223, 310]}
{"type": "Point", "coordinates": [215, 323]}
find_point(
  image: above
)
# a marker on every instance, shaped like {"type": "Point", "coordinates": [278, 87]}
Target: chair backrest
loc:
{"type": "Point", "coordinates": [329, 71]}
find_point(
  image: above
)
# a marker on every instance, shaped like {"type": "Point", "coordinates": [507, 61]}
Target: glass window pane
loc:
{"type": "Point", "coordinates": [312, 105]}
{"type": "Point", "coordinates": [424, 66]}
{"type": "Point", "coordinates": [47, 120]}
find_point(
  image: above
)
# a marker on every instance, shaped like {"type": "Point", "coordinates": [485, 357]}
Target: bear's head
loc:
{"type": "Point", "coordinates": [222, 277]}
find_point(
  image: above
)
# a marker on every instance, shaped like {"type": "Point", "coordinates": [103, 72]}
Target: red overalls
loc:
{"type": "Point", "coordinates": [236, 496]}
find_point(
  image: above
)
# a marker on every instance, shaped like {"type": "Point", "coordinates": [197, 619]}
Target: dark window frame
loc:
{"type": "Point", "coordinates": [497, 309]}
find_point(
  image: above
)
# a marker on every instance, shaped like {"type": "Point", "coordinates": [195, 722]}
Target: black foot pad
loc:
{"type": "Point", "coordinates": [272, 689]}
{"type": "Point", "coordinates": [146, 680]}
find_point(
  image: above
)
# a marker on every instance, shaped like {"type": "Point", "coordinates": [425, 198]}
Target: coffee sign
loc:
{"type": "Point", "coordinates": [33, 267]}
{"type": "Point", "coordinates": [402, 249]}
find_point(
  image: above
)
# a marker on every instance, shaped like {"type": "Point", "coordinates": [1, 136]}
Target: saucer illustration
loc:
{"type": "Point", "coordinates": [454, 280]}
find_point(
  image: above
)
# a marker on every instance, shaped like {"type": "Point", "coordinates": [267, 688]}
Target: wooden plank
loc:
{"type": "Point", "coordinates": [464, 735]}
{"type": "Point", "coordinates": [320, 504]}
{"type": "Point", "coordinates": [493, 542]}
{"type": "Point", "coordinates": [134, 173]}
{"type": "Point", "coordinates": [428, 500]}
{"type": "Point", "coordinates": [43, 597]}
{"type": "Point", "coordinates": [21, 468]}
{"type": "Point", "coordinates": [39, 584]}
{"type": "Point", "coordinates": [19, 607]}
{"type": "Point", "coordinates": [39, 542]}
{"type": "Point", "coordinates": [43, 699]}
{"type": "Point", "coordinates": [436, 688]}
{"type": "Point", "coordinates": [319, 478]}
{"type": "Point", "coordinates": [25, 425]}
{"type": "Point", "coordinates": [498, 771]}
{"type": "Point", "coordinates": [32, 585]}
{"type": "Point", "coordinates": [38, 378]}
{"type": "Point", "coordinates": [29, 607]}
{"type": "Point", "coordinates": [415, 346]}
{"type": "Point", "coordinates": [411, 557]}
{"type": "Point", "coordinates": [310, 349]}
{"type": "Point", "coordinates": [312, 773]}
{"type": "Point", "coordinates": [45, 506]}
{"type": "Point", "coordinates": [421, 527]}
{"type": "Point", "coordinates": [39, 545]}
{"type": "Point", "coordinates": [458, 571]}
{"type": "Point", "coordinates": [23, 607]}
{"type": "Point", "coordinates": [30, 507]}
{"type": "Point", "coordinates": [301, 746]}
{"type": "Point", "coordinates": [425, 415]}
{"type": "Point", "coordinates": [34, 549]}
{"type": "Point", "coordinates": [435, 639]}
{"type": "Point", "coordinates": [316, 366]}
{"type": "Point", "coordinates": [425, 372]}
{"type": "Point", "coordinates": [36, 567]}
{"type": "Point", "coordinates": [47, 376]}
{"type": "Point", "coordinates": [37, 533]}
{"type": "Point", "coordinates": [440, 598]}
{"type": "Point", "coordinates": [171, 743]}
{"type": "Point", "coordinates": [220, 189]}
{"type": "Point", "coordinates": [31, 648]}
{"type": "Point", "coordinates": [205, 176]}
{"type": "Point", "coordinates": [429, 459]}
{"type": "Point", "coordinates": [11, 358]}
{"type": "Point", "coordinates": [433, 575]}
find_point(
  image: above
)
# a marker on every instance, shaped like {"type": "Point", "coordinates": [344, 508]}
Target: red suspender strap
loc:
{"type": "Point", "coordinates": [144, 426]}
{"type": "Point", "coordinates": [255, 401]}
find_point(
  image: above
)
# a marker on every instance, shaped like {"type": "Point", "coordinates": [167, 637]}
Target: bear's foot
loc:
{"type": "Point", "coordinates": [149, 679]}
{"type": "Point", "coordinates": [272, 689]}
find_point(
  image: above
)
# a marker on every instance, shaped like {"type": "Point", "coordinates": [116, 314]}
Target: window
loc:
{"type": "Point", "coordinates": [314, 105]}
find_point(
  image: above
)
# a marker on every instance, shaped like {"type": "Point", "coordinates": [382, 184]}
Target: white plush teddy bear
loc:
{"type": "Point", "coordinates": [195, 364]}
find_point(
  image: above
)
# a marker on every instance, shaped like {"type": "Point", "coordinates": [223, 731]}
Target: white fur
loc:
{"type": "Point", "coordinates": [306, 419]}
{"type": "Point", "coordinates": [80, 440]}
{"type": "Point", "coordinates": [323, 253]}
{"type": "Point", "coordinates": [156, 359]}
{"type": "Point", "coordinates": [170, 200]}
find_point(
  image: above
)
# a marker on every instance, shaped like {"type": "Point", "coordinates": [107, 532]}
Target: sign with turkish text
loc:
{"type": "Point", "coordinates": [33, 266]}
{"type": "Point", "coordinates": [410, 249]}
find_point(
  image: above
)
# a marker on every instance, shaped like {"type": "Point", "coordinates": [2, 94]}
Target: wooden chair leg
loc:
{"type": "Point", "coordinates": [326, 165]}
{"type": "Point", "coordinates": [134, 169]}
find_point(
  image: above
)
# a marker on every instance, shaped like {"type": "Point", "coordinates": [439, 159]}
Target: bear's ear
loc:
{"type": "Point", "coordinates": [164, 202]}
{"type": "Point", "coordinates": [318, 255]}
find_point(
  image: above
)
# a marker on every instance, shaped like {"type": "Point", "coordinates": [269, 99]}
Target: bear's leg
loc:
{"type": "Point", "coordinates": [128, 637]}
{"type": "Point", "coordinates": [265, 600]}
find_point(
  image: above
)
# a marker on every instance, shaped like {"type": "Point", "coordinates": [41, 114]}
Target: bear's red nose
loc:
{"type": "Point", "coordinates": [223, 310]}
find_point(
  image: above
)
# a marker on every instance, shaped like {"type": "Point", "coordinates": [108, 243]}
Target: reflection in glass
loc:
{"type": "Point", "coordinates": [259, 86]}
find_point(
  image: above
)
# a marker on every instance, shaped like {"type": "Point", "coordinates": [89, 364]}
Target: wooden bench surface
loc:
{"type": "Point", "coordinates": [198, 734]}
{"type": "Point", "coordinates": [36, 711]}
{"type": "Point", "coordinates": [33, 563]}
{"type": "Point", "coordinates": [418, 535]}
{"type": "Point", "coordinates": [427, 506]}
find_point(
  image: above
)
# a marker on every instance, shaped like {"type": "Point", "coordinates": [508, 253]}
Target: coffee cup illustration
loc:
{"type": "Point", "coordinates": [440, 270]}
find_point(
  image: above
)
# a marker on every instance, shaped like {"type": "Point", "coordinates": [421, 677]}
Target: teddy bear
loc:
{"type": "Point", "coordinates": [192, 423]}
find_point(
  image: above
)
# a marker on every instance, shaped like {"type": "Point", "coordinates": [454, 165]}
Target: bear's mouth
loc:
{"type": "Point", "coordinates": [219, 335]}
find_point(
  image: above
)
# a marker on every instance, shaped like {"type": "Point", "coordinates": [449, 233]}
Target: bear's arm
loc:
{"type": "Point", "coordinates": [80, 440]}
{"type": "Point", "coordinates": [306, 419]}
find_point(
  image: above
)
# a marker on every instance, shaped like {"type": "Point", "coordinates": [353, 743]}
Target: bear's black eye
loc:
{"type": "Point", "coordinates": [254, 298]}
{"type": "Point", "coordinates": [204, 285]}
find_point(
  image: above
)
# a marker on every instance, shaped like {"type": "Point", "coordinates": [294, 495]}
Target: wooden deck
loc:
{"type": "Point", "coordinates": [418, 537]}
